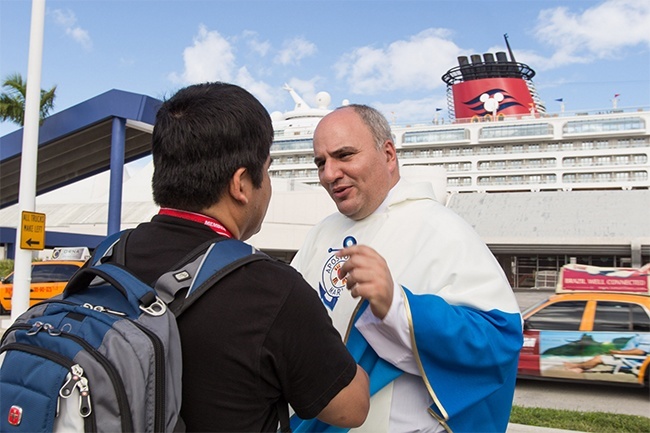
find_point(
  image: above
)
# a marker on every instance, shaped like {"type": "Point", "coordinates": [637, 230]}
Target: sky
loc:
{"type": "Point", "coordinates": [388, 54]}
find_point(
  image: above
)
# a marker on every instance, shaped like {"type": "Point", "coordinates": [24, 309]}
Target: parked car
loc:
{"type": "Point", "coordinates": [48, 277]}
{"type": "Point", "coordinates": [595, 328]}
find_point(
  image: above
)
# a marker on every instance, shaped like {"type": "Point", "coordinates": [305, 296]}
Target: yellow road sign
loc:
{"type": "Point", "coordinates": [32, 231]}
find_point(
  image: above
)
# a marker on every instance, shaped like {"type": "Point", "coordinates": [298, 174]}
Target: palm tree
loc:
{"type": "Point", "coordinates": [12, 100]}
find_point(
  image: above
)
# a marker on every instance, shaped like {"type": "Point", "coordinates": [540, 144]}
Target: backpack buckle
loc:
{"type": "Point", "coordinates": [156, 308]}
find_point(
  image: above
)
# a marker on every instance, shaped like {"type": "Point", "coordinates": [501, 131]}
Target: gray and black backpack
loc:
{"type": "Point", "coordinates": [105, 355]}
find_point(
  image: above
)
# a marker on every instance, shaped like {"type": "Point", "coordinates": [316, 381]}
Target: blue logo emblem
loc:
{"type": "Point", "coordinates": [331, 285]}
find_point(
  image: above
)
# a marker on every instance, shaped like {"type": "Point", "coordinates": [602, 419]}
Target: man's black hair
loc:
{"type": "Point", "coordinates": [202, 135]}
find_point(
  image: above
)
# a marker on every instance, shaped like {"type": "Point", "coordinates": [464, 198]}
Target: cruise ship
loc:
{"type": "Point", "coordinates": [499, 137]}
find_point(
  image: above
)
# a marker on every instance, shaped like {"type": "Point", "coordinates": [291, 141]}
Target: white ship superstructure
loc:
{"type": "Point", "coordinates": [500, 137]}
{"type": "Point", "coordinates": [608, 149]}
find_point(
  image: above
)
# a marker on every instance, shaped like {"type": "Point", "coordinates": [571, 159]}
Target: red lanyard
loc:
{"type": "Point", "coordinates": [199, 218]}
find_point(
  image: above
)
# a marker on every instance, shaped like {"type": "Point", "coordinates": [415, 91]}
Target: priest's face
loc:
{"type": "Point", "coordinates": [356, 171]}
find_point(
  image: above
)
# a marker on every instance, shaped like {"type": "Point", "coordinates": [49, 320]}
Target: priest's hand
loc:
{"type": "Point", "coordinates": [367, 275]}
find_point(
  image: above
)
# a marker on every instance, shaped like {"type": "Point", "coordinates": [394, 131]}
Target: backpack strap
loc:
{"type": "Point", "coordinates": [138, 294]}
{"type": "Point", "coordinates": [112, 245]}
{"type": "Point", "coordinates": [181, 287]}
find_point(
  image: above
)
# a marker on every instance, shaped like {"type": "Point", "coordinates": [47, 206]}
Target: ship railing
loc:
{"type": "Point", "coordinates": [488, 118]}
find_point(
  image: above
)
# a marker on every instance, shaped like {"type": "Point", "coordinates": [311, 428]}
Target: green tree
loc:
{"type": "Point", "coordinates": [12, 100]}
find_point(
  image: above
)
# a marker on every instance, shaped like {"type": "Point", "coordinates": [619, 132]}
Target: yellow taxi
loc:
{"type": "Point", "coordinates": [48, 278]}
{"type": "Point", "coordinates": [595, 328]}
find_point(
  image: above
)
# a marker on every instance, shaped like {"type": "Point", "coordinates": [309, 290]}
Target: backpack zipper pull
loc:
{"type": "Point", "coordinates": [103, 309]}
{"type": "Point", "coordinates": [37, 326]}
{"type": "Point", "coordinates": [75, 375]}
{"type": "Point", "coordinates": [84, 397]}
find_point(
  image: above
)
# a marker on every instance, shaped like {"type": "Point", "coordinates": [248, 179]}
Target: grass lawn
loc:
{"type": "Point", "coordinates": [597, 422]}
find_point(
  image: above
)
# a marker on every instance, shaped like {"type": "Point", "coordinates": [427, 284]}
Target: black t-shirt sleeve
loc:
{"type": "Point", "coordinates": [313, 364]}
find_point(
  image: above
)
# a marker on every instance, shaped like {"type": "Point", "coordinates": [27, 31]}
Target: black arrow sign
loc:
{"type": "Point", "coordinates": [30, 242]}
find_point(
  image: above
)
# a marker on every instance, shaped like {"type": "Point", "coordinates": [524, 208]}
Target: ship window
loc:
{"type": "Point", "coordinates": [291, 145]}
{"type": "Point", "coordinates": [435, 136]}
{"type": "Point", "coordinates": [585, 177]}
{"type": "Point", "coordinates": [603, 177]}
{"type": "Point", "coordinates": [603, 160]}
{"type": "Point", "coordinates": [604, 125]}
{"type": "Point", "coordinates": [621, 175]}
{"type": "Point", "coordinates": [516, 130]}
{"type": "Point", "coordinates": [622, 159]}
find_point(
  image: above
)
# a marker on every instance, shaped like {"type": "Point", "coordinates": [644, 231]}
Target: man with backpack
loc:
{"type": "Point", "coordinates": [258, 339]}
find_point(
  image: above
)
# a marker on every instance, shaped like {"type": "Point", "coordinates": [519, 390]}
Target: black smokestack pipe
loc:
{"type": "Point", "coordinates": [512, 56]}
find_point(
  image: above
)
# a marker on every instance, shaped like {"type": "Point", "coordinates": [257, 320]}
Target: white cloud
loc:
{"type": "Point", "coordinates": [294, 50]}
{"type": "Point", "coordinates": [267, 95]}
{"type": "Point", "coordinates": [210, 58]}
{"type": "Point", "coordinates": [260, 47]}
{"type": "Point", "coordinates": [412, 110]}
{"type": "Point", "coordinates": [416, 63]}
{"type": "Point", "coordinates": [603, 31]}
{"type": "Point", "coordinates": [68, 21]}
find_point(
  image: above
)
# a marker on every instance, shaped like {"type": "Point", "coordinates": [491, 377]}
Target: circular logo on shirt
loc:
{"type": "Point", "coordinates": [330, 279]}
{"type": "Point", "coordinates": [332, 284]}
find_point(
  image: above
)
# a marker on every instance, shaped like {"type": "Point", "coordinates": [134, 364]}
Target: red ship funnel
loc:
{"type": "Point", "coordinates": [488, 87]}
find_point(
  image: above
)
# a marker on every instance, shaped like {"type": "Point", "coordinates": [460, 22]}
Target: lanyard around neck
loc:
{"type": "Point", "coordinates": [199, 218]}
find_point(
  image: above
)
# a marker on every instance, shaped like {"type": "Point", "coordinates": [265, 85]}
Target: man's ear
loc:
{"type": "Point", "coordinates": [389, 150]}
{"type": "Point", "coordinates": [240, 185]}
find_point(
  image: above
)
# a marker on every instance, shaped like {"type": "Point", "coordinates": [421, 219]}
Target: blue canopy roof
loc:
{"type": "Point", "coordinates": [76, 143]}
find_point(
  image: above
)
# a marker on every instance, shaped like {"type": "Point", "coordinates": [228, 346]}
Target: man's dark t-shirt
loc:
{"type": "Point", "coordinates": [261, 334]}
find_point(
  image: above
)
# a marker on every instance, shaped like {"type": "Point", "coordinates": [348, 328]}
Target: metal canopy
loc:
{"type": "Point", "coordinates": [76, 143]}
